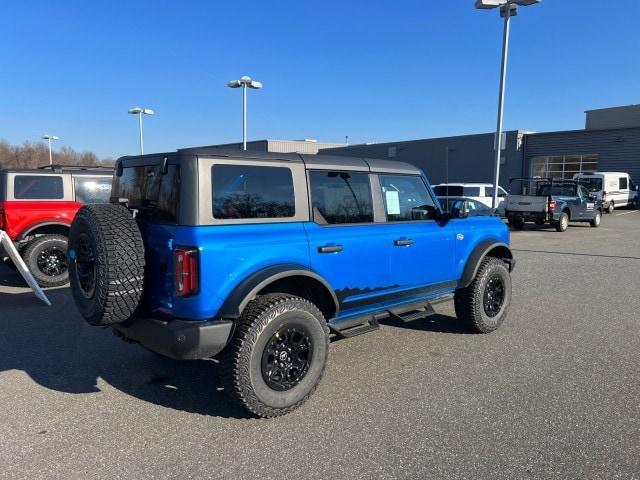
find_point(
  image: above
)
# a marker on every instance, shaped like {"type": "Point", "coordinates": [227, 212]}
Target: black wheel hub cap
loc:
{"type": "Point", "coordinates": [286, 358]}
{"type": "Point", "coordinates": [86, 266]}
{"type": "Point", "coordinates": [494, 294]}
{"type": "Point", "coordinates": [52, 261]}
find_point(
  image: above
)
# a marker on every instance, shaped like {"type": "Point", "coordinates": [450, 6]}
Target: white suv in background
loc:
{"type": "Point", "coordinates": [614, 189]}
{"type": "Point", "coordinates": [481, 192]}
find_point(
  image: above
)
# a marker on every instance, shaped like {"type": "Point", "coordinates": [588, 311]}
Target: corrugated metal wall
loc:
{"type": "Point", "coordinates": [615, 117]}
{"type": "Point", "coordinates": [470, 157]}
{"type": "Point", "coordinates": [618, 150]}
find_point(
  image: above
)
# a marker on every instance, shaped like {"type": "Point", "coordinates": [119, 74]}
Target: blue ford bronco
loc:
{"type": "Point", "coordinates": [260, 257]}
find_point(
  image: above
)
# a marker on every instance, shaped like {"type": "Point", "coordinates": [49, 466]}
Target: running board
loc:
{"type": "Point", "coordinates": [369, 325]}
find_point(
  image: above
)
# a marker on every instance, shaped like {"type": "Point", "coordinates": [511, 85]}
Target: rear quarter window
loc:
{"type": "Point", "coordinates": [38, 187]}
{"type": "Point", "coordinates": [92, 189]}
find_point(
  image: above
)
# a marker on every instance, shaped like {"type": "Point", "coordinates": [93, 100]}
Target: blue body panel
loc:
{"type": "Point", "coordinates": [368, 275]}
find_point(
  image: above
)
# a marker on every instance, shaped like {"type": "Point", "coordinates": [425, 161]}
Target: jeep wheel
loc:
{"type": "Point", "coordinates": [46, 258]}
{"type": "Point", "coordinates": [106, 264]}
{"type": "Point", "coordinates": [278, 354]}
{"type": "Point", "coordinates": [611, 207]}
{"type": "Point", "coordinates": [483, 305]}
{"type": "Point", "coordinates": [595, 221]}
{"type": "Point", "coordinates": [516, 223]}
{"type": "Point", "coordinates": [563, 222]}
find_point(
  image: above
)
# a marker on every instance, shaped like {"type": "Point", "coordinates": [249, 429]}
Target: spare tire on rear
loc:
{"type": "Point", "coordinates": [106, 263]}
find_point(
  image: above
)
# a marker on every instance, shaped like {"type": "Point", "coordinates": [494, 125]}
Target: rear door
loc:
{"type": "Point", "coordinates": [346, 246]}
{"type": "Point", "coordinates": [421, 250]}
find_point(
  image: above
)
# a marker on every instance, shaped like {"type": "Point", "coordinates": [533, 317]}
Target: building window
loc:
{"type": "Point", "coordinates": [563, 166]}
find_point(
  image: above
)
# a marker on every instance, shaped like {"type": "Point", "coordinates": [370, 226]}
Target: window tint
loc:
{"type": "Point", "coordinates": [471, 191]}
{"type": "Point", "coordinates": [341, 197]}
{"type": "Point", "coordinates": [242, 191]}
{"type": "Point", "coordinates": [37, 187]}
{"type": "Point", "coordinates": [448, 191]}
{"type": "Point", "coordinates": [92, 189]}
{"type": "Point", "coordinates": [406, 198]}
{"type": "Point", "coordinates": [624, 184]}
{"type": "Point", "coordinates": [592, 184]}
{"type": "Point", "coordinates": [557, 190]}
{"type": "Point", "coordinates": [584, 193]}
{"type": "Point", "coordinates": [153, 194]}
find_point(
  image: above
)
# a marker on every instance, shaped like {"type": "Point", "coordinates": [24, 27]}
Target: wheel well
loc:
{"type": "Point", "coordinates": [503, 253]}
{"type": "Point", "coordinates": [52, 229]}
{"type": "Point", "coordinates": [567, 211]}
{"type": "Point", "coordinates": [305, 287]}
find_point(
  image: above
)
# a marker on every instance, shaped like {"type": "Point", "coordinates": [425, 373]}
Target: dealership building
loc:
{"type": "Point", "coordinates": [610, 142]}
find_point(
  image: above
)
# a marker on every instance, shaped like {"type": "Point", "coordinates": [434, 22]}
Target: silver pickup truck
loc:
{"type": "Point", "coordinates": [554, 202]}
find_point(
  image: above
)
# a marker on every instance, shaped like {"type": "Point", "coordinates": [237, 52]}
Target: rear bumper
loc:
{"type": "Point", "coordinates": [533, 216]}
{"type": "Point", "coordinates": [178, 339]}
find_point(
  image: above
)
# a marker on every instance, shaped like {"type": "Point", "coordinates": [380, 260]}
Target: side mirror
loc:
{"type": "Point", "coordinates": [460, 209]}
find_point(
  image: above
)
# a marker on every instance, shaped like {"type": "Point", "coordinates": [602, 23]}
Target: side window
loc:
{"type": "Point", "coordinates": [92, 189]}
{"type": "Point", "coordinates": [246, 192]}
{"type": "Point", "coordinates": [38, 187]}
{"type": "Point", "coordinates": [471, 191]}
{"type": "Point", "coordinates": [583, 192]}
{"type": "Point", "coordinates": [340, 197]}
{"type": "Point", "coordinates": [624, 184]}
{"type": "Point", "coordinates": [406, 198]}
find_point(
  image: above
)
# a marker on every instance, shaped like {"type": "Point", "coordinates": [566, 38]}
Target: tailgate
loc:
{"type": "Point", "coordinates": [526, 203]}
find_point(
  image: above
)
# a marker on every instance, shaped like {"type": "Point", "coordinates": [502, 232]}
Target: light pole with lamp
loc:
{"type": "Point", "coordinates": [49, 137]}
{"type": "Point", "coordinates": [508, 9]}
{"type": "Point", "coordinates": [244, 82]}
{"type": "Point", "coordinates": [141, 111]}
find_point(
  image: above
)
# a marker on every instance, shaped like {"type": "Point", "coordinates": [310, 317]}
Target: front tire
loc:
{"type": "Point", "coordinates": [483, 305]}
{"type": "Point", "coordinates": [595, 221]}
{"type": "Point", "coordinates": [278, 355]}
{"type": "Point", "coordinates": [46, 259]}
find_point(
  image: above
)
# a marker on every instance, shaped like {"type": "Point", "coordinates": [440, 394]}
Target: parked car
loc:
{"type": "Point", "coordinates": [481, 192]}
{"type": "Point", "coordinates": [257, 257]}
{"type": "Point", "coordinates": [37, 208]}
{"type": "Point", "coordinates": [555, 202]}
{"type": "Point", "coordinates": [613, 189]}
{"type": "Point", "coordinates": [463, 204]}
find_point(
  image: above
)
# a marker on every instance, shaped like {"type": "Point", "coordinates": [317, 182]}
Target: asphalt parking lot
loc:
{"type": "Point", "coordinates": [555, 393]}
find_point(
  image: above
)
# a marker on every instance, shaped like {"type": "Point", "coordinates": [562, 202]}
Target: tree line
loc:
{"type": "Point", "coordinates": [36, 154]}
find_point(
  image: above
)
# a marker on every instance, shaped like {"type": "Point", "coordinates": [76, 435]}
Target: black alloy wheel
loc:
{"type": "Point", "coordinates": [494, 295]}
{"type": "Point", "coordinates": [287, 357]}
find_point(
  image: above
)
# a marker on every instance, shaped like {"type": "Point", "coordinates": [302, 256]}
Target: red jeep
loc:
{"type": "Point", "coordinates": [37, 208]}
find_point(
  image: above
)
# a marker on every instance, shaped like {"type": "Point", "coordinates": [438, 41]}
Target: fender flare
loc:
{"type": "Point", "coordinates": [247, 289]}
{"type": "Point", "coordinates": [478, 255]}
{"type": "Point", "coordinates": [31, 228]}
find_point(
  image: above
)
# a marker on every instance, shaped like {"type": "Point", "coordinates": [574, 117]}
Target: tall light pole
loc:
{"type": "Point", "coordinates": [141, 111]}
{"type": "Point", "coordinates": [49, 137]}
{"type": "Point", "coordinates": [508, 9]}
{"type": "Point", "coordinates": [244, 82]}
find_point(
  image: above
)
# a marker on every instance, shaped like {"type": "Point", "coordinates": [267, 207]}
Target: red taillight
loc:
{"type": "Point", "coordinates": [186, 269]}
{"type": "Point", "coordinates": [552, 205]}
{"type": "Point", "coordinates": [604, 196]}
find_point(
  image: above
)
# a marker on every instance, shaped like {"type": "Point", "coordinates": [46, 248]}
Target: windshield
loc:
{"type": "Point", "coordinates": [557, 190]}
{"type": "Point", "coordinates": [593, 184]}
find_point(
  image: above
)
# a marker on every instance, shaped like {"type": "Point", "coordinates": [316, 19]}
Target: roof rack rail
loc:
{"type": "Point", "coordinates": [60, 168]}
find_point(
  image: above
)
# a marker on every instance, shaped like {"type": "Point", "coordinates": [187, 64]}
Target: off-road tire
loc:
{"type": "Point", "coordinates": [563, 223]}
{"type": "Point", "coordinates": [516, 223]}
{"type": "Point", "coordinates": [469, 302]}
{"type": "Point", "coordinates": [32, 255]}
{"type": "Point", "coordinates": [112, 293]}
{"type": "Point", "coordinates": [9, 263]}
{"type": "Point", "coordinates": [611, 207]}
{"type": "Point", "coordinates": [595, 221]}
{"type": "Point", "coordinates": [242, 359]}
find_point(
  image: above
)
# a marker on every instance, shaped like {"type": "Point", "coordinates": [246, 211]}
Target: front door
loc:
{"type": "Point", "coordinates": [346, 247]}
{"type": "Point", "coordinates": [421, 250]}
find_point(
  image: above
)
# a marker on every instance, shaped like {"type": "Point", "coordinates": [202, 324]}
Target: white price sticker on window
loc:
{"type": "Point", "coordinates": [393, 202]}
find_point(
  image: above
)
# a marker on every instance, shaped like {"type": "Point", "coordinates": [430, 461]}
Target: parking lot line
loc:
{"type": "Point", "coordinates": [627, 213]}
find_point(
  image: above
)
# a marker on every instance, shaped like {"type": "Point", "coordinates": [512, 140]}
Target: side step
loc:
{"type": "Point", "coordinates": [413, 315]}
{"type": "Point", "coordinates": [370, 325]}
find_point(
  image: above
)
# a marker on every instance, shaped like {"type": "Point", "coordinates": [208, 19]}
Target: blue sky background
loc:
{"type": "Point", "coordinates": [374, 70]}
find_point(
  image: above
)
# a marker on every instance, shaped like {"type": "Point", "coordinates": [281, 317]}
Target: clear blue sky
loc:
{"type": "Point", "coordinates": [375, 70]}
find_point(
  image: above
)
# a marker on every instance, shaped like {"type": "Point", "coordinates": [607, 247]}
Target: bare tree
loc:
{"type": "Point", "coordinates": [34, 155]}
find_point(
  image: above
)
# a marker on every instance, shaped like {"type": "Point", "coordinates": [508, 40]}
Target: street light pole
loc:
{"type": "Point", "coordinates": [49, 137]}
{"type": "Point", "coordinates": [244, 82]}
{"type": "Point", "coordinates": [141, 111]}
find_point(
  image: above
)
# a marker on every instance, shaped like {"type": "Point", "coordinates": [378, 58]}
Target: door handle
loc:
{"type": "Point", "coordinates": [403, 242]}
{"type": "Point", "coordinates": [330, 249]}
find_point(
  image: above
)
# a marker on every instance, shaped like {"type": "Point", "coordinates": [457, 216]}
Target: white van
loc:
{"type": "Point", "coordinates": [481, 192]}
{"type": "Point", "coordinates": [614, 189]}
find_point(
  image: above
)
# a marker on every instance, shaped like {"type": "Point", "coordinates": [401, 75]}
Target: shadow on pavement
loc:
{"type": "Point", "coordinates": [59, 351]}
{"type": "Point", "coordinates": [433, 323]}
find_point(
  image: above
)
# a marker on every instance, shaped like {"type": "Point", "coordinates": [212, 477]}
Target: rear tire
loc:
{"type": "Point", "coordinates": [595, 221]}
{"type": "Point", "coordinates": [516, 223]}
{"type": "Point", "coordinates": [278, 355]}
{"type": "Point", "coordinates": [106, 264]}
{"type": "Point", "coordinates": [563, 222]}
{"type": "Point", "coordinates": [483, 305]}
{"type": "Point", "coordinates": [46, 259]}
